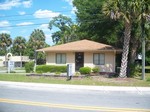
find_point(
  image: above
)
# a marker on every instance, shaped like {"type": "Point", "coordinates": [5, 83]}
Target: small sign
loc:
{"type": "Point", "coordinates": [11, 65]}
{"type": "Point", "coordinates": [69, 70]}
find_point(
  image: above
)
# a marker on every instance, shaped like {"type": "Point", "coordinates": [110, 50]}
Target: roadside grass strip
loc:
{"type": "Point", "coordinates": [72, 107]}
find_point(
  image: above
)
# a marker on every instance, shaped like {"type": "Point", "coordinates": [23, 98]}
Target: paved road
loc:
{"type": "Point", "coordinates": [21, 99]}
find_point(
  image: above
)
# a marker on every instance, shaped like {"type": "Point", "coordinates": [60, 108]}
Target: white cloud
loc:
{"type": "Point", "coordinates": [4, 31]}
{"type": "Point", "coordinates": [8, 4]}
{"type": "Point", "coordinates": [45, 14]}
{"type": "Point", "coordinates": [4, 23]}
{"type": "Point", "coordinates": [27, 4]}
{"type": "Point", "coordinates": [49, 39]}
{"type": "Point", "coordinates": [69, 1]}
{"type": "Point", "coordinates": [22, 13]}
{"type": "Point", "coordinates": [24, 23]}
{"type": "Point", "coordinates": [44, 27]}
{"type": "Point", "coordinates": [74, 9]}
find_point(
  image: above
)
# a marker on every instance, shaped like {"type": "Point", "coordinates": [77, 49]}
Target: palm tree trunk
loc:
{"type": "Point", "coordinates": [124, 60]}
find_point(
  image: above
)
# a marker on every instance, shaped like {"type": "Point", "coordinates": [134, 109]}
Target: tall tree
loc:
{"type": "Point", "coordinates": [127, 11]}
{"type": "Point", "coordinates": [36, 41]}
{"type": "Point", "coordinates": [94, 24]}
{"type": "Point", "coordinates": [66, 32]}
{"type": "Point", "coordinates": [19, 45]}
{"type": "Point", "coordinates": [5, 42]}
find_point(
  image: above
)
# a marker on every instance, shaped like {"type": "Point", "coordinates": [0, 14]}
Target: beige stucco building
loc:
{"type": "Point", "coordinates": [16, 59]}
{"type": "Point", "coordinates": [81, 54]}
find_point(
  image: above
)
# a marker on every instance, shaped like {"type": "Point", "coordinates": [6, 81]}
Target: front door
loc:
{"type": "Point", "coordinates": [79, 60]}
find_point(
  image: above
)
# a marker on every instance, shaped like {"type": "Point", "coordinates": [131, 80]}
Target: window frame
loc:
{"type": "Point", "coordinates": [61, 58]}
{"type": "Point", "coordinates": [99, 59]}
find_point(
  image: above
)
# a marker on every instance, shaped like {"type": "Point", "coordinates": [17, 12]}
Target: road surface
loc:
{"type": "Point", "coordinates": [20, 99]}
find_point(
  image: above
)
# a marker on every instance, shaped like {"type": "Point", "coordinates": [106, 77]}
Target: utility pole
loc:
{"type": "Point", "coordinates": [143, 48]}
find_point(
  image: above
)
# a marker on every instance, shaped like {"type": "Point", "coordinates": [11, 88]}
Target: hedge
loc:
{"type": "Point", "coordinates": [85, 70]}
{"type": "Point", "coordinates": [96, 69]}
{"type": "Point", "coordinates": [29, 66]}
{"type": "Point", "coordinates": [50, 68]}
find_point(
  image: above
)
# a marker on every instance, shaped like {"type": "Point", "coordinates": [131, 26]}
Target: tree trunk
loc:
{"type": "Point", "coordinates": [133, 51]}
{"type": "Point", "coordinates": [124, 60]}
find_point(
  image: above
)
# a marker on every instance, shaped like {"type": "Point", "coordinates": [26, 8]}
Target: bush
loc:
{"type": "Point", "coordinates": [29, 67]}
{"type": "Point", "coordinates": [50, 68]}
{"type": "Point", "coordinates": [96, 69]}
{"type": "Point", "coordinates": [85, 70]}
{"type": "Point", "coordinates": [134, 70]}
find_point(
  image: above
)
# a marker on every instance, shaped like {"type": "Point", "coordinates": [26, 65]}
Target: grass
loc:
{"type": "Point", "coordinates": [100, 80]}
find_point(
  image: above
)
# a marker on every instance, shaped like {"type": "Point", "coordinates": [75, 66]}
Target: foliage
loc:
{"type": "Point", "coordinates": [29, 66]}
{"type": "Point", "coordinates": [19, 45]}
{"type": "Point", "coordinates": [96, 69]}
{"type": "Point", "coordinates": [147, 58]}
{"type": "Point", "coordinates": [95, 25]}
{"type": "Point", "coordinates": [67, 30]}
{"type": "Point", "coordinates": [50, 68]}
{"type": "Point", "coordinates": [85, 70]}
{"type": "Point", "coordinates": [5, 42]}
{"type": "Point", "coordinates": [36, 41]}
{"type": "Point", "coordinates": [129, 12]}
{"type": "Point", "coordinates": [135, 70]}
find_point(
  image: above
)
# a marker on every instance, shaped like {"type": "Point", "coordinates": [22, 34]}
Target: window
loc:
{"type": "Point", "coordinates": [98, 59]}
{"type": "Point", "coordinates": [60, 58]}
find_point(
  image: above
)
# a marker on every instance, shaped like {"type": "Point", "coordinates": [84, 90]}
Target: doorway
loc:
{"type": "Point", "coordinates": [79, 60]}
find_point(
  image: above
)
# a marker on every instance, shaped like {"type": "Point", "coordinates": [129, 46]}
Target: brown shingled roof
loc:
{"type": "Point", "coordinates": [81, 45]}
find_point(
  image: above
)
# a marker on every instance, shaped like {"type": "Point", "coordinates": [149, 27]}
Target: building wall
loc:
{"type": "Point", "coordinates": [109, 65]}
{"type": "Point", "coordinates": [70, 59]}
{"type": "Point", "coordinates": [16, 59]}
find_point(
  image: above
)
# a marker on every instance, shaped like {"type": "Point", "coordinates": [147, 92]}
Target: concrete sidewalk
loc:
{"type": "Point", "coordinates": [42, 86]}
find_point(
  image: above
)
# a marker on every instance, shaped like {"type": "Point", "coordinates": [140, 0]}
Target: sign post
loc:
{"type": "Point", "coordinates": [69, 71]}
{"type": "Point", "coordinates": [10, 63]}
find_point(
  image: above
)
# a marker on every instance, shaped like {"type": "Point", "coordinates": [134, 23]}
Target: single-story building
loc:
{"type": "Point", "coordinates": [82, 53]}
{"type": "Point", "coordinates": [16, 59]}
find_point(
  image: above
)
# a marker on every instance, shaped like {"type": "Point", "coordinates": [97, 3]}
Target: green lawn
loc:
{"type": "Point", "coordinates": [100, 80]}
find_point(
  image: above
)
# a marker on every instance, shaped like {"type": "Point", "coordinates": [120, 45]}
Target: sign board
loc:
{"type": "Point", "coordinates": [69, 70]}
{"type": "Point", "coordinates": [11, 65]}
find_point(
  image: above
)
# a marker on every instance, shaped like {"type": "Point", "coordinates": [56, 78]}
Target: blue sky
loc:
{"type": "Point", "coordinates": [21, 17]}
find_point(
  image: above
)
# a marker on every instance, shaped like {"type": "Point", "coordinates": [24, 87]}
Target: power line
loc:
{"type": "Point", "coordinates": [30, 19]}
{"type": "Point", "coordinates": [23, 25]}
{"type": "Point", "coordinates": [5, 16]}
{"type": "Point", "coordinates": [87, 21]}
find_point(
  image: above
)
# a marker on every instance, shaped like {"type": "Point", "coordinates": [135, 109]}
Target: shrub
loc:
{"type": "Point", "coordinates": [85, 70]}
{"type": "Point", "coordinates": [148, 80]}
{"type": "Point", "coordinates": [96, 69]}
{"type": "Point", "coordinates": [50, 68]}
{"type": "Point", "coordinates": [134, 70]}
{"type": "Point", "coordinates": [29, 67]}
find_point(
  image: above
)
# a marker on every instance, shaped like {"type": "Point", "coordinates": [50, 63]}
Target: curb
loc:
{"type": "Point", "coordinates": [42, 86]}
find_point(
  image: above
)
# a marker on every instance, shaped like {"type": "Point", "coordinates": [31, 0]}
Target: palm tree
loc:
{"type": "Point", "coordinates": [5, 42]}
{"type": "Point", "coordinates": [19, 44]}
{"type": "Point", "coordinates": [36, 41]}
{"type": "Point", "coordinates": [126, 11]}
